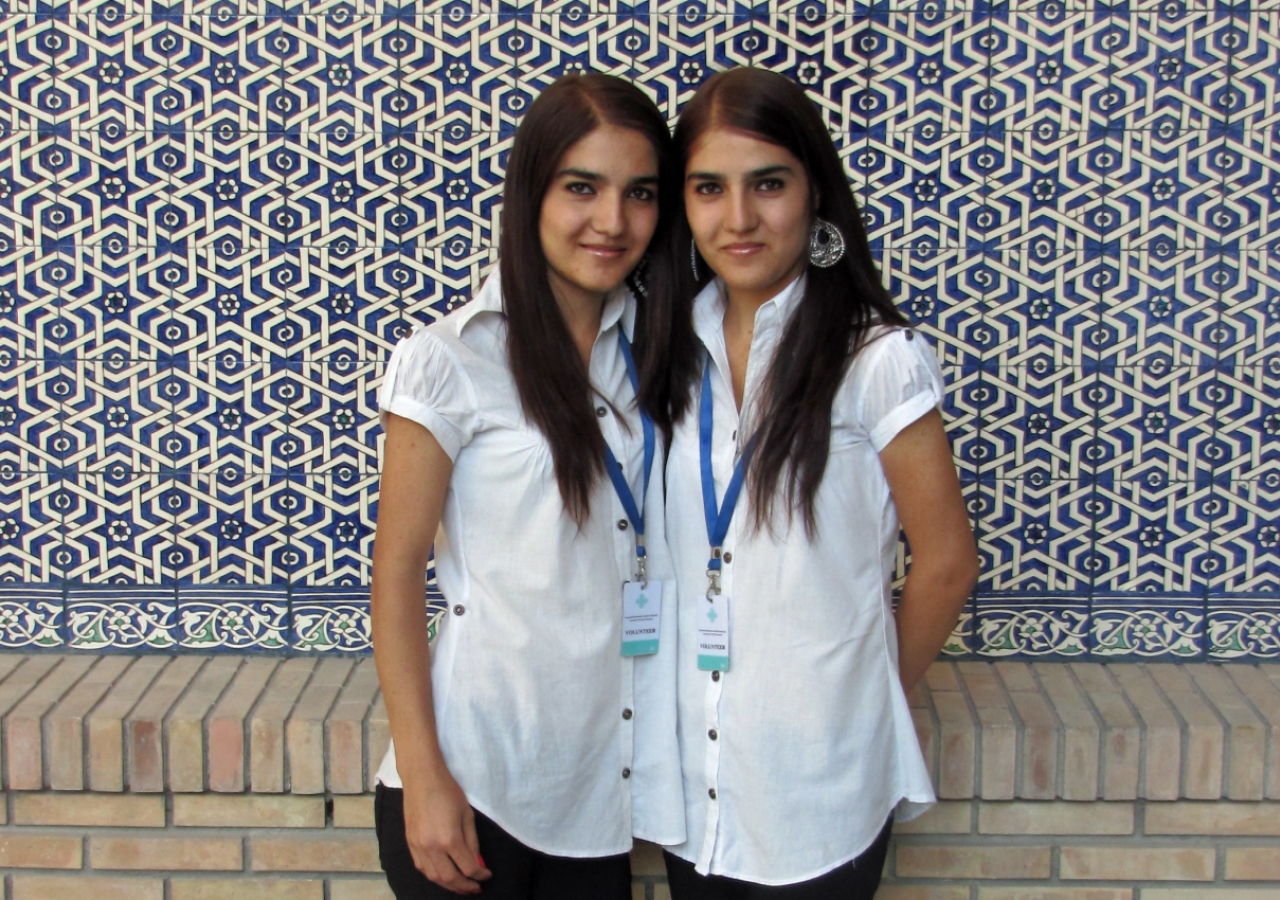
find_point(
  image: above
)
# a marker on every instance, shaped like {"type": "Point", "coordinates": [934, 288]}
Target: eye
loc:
{"type": "Point", "coordinates": [641, 193]}
{"type": "Point", "coordinates": [771, 184]}
{"type": "Point", "coordinates": [707, 187]}
{"type": "Point", "coordinates": [579, 187]}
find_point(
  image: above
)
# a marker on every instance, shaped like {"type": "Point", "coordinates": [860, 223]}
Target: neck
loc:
{"type": "Point", "coordinates": [582, 311]}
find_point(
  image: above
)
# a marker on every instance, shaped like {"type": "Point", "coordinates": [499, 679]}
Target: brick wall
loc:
{"type": "Point", "coordinates": [201, 778]}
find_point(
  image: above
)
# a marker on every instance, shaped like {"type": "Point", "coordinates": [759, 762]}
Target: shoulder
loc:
{"type": "Point", "coordinates": [888, 346]}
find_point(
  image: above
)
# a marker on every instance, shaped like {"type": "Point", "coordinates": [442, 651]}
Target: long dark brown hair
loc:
{"type": "Point", "coordinates": [830, 324]}
{"type": "Point", "coordinates": [554, 387]}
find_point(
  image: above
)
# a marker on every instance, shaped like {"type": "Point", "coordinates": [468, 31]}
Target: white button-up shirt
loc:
{"type": "Point", "coordinates": [795, 757]}
{"type": "Point", "coordinates": [565, 744]}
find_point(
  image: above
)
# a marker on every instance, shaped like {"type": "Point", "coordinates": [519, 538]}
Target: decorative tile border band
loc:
{"type": "Point", "coordinates": [310, 620]}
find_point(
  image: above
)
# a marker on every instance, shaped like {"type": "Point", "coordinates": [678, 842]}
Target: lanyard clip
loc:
{"type": "Point", "coordinates": [641, 575]}
{"type": "Point", "coordinates": [713, 582]}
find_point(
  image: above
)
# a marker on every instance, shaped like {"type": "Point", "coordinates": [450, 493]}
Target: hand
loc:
{"type": "Point", "coordinates": [440, 827]}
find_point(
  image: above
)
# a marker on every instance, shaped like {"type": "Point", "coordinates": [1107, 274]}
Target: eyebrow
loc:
{"type": "Point", "coordinates": [755, 173]}
{"type": "Point", "coordinates": [596, 176]}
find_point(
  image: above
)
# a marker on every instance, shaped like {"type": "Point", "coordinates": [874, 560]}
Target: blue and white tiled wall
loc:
{"type": "Point", "coordinates": [216, 218]}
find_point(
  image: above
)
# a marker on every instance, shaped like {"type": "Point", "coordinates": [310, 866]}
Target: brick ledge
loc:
{"type": "Point", "coordinates": [230, 724]}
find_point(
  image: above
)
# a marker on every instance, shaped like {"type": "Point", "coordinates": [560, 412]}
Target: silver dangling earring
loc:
{"type": "Point", "coordinates": [637, 277]}
{"type": "Point", "coordinates": [826, 244]}
{"type": "Point", "coordinates": [693, 257]}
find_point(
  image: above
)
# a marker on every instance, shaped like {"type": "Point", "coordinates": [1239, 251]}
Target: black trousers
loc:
{"type": "Point", "coordinates": [519, 873]}
{"type": "Point", "coordinates": [856, 880]}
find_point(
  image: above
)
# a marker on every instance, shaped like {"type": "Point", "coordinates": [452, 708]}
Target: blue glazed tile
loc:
{"type": "Point", "coordinates": [1148, 626]}
{"type": "Point", "coordinates": [1171, 66]}
{"type": "Point", "coordinates": [333, 534]}
{"type": "Point", "coordinates": [31, 527]}
{"type": "Point", "coordinates": [118, 528]}
{"type": "Point", "coordinates": [30, 617]}
{"type": "Point", "coordinates": [232, 617]}
{"type": "Point", "coordinates": [1159, 424]}
{"type": "Point", "coordinates": [1162, 313]}
{"type": "Point", "coordinates": [940, 290]}
{"type": "Point", "coordinates": [1245, 551]}
{"type": "Point", "coordinates": [1154, 538]}
{"type": "Point", "coordinates": [1039, 420]}
{"type": "Point", "coordinates": [121, 618]}
{"type": "Point", "coordinates": [1033, 535]}
{"type": "Point", "coordinates": [235, 529]}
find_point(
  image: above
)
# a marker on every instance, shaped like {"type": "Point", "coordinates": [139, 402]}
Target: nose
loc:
{"type": "Point", "coordinates": [740, 216]}
{"type": "Point", "coordinates": [609, 217]}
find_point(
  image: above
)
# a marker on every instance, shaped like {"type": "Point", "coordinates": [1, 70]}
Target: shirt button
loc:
{"type": "Point", "coordinates": [712, 793]}
{"type": "Point", "coordinates": [715, 676]}
{"type": "Point", "coordinates": [600, 411]}
{"type": "Point", "coordinates": [626, 773]}
{"type": "Point", "coordinates": [626, 714]}
{"type": "Point", "coordinates": [728, 557]}
{"type": "Point", "coordinates": [459, 609]}
{"type": "Point", "coordinates": [713, 734]}
{"type": "Point", "coordinates": [622, 524]}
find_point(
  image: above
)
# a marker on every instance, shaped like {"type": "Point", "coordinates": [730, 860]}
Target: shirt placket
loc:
{"type": "Point", "coordinates": [625, 554]}
{"type": "Point", "coordinates": [727, 423]}
{"type": "Point", "coordinates": [728, 419]}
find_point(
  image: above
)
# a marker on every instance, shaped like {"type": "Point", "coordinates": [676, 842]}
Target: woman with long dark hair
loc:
{"type": "Point", "coordinates": [537, 735]}
{"type": "Point", "coordinates": [795, 385]}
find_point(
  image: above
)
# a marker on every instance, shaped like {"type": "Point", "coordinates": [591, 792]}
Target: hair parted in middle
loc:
{"type": "Point", "coordinates": [830, 324]}
{"type": "Point", "coordinates": [550, 377]}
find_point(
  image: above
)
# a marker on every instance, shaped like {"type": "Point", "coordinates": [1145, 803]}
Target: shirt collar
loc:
{"type": "Point", "coordinates": [708, 309]}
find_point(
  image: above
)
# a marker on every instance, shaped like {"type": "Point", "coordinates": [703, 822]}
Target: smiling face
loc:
{"type": "Point", "coordinates": [750, 206]}
{"type": "Point", "coordinates": [600, 212]}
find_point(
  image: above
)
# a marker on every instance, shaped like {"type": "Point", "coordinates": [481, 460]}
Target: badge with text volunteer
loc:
{"type": "Point", "coordinates": [641, 598]}
{"type": "Point", "coordinates": [713, 608]}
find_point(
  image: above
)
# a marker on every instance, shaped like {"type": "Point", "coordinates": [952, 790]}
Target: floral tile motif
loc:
{"type": "Point", "coordinates": [106, 618]}
{"type": "Point", "coordinates": [1244, 627]}
{"type": "Point", "coordinates": [1130, 625]}
{"type": "Point", "coordinates": [1031, 625]}
{"type": "Point", "coordinates": [233, 617]}
{"type": "Point", "coordinates": [30, 617]}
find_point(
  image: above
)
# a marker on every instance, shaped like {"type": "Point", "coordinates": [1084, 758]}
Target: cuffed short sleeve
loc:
{"type": "Point", "coordinates": [426, 383]}
{"type": "Point", "coordinates": [896, 380]}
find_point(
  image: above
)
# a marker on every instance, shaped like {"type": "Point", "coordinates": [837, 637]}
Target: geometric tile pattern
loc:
{"type": "Point", "coordinates": [218, 216]}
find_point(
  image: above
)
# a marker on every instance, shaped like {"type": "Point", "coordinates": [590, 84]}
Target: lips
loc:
{"type": "Point", "coordinates": [604, 251]}
{"type": "Point", "coordinates": [742, 249]}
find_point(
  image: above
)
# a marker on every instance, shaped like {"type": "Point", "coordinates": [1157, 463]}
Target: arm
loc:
{"type": "Point", "coordinates": [944, 561]}
{"type": "Point", "coordinates": [439, 822]}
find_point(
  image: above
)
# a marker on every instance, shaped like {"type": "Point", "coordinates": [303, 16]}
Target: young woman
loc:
{"type": "Point", "coordinates": [806, 432]}
{"type": "Point", "coordinates": [537, 735]}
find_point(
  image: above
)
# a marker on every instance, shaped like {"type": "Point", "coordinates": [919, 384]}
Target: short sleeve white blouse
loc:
{"type": "Point", "coordinates": [550, 732]}
{"type": "Point", "coordinates": [794, 758]}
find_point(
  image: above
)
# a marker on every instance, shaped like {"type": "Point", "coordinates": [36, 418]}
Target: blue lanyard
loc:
{"type": "Point", "coordinates": [634, 513]}
{"type": "Point", "coordinates": [717, 520]}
